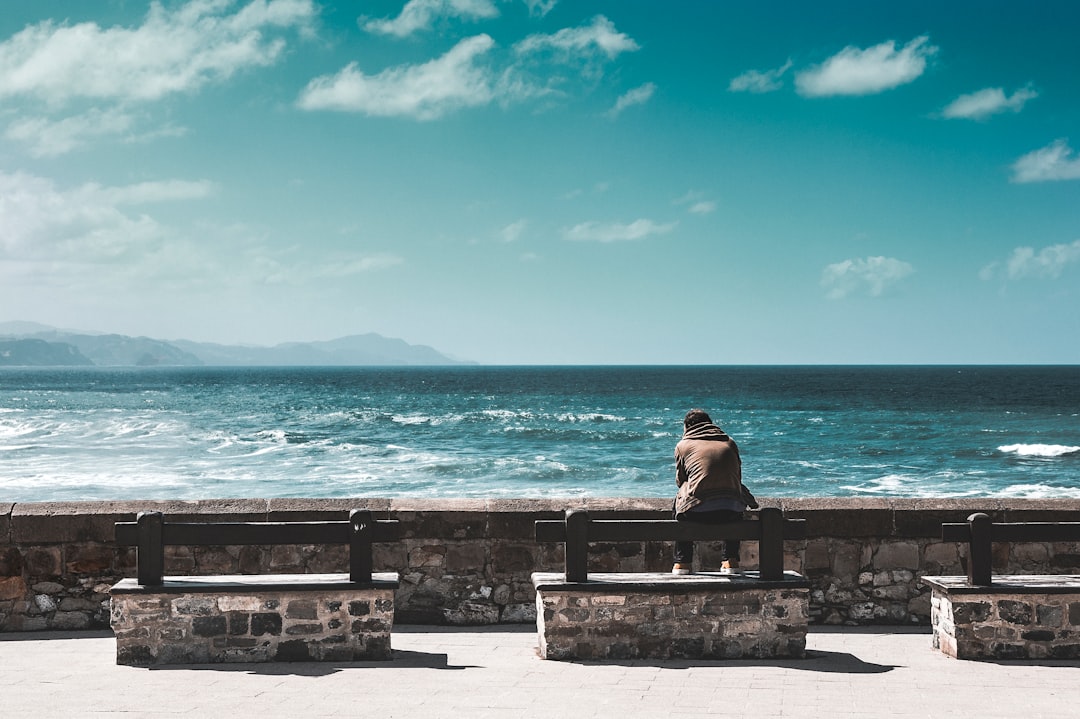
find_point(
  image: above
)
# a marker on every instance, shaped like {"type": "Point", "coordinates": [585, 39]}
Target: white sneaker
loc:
{"type": "Point", "coordinates": [681, 569]}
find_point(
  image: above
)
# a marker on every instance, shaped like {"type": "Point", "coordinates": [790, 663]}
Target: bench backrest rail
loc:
{"type": "Point", "coordinates": [980, 533]}
{"type": "Point", "coordinates": [151, 534]}
{"type": "Point", "coordinates": [578, 529]}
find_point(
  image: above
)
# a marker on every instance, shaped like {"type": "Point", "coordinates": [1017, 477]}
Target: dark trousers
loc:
{"type": "Point", "coordinates": [684, 551]}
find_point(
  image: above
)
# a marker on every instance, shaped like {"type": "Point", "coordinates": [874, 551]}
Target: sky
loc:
{"type": "Point", "coordinates": [550, 181]}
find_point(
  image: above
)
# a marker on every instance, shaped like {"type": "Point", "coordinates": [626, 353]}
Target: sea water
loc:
{"type": "Point", "coordinates": [112, 433]}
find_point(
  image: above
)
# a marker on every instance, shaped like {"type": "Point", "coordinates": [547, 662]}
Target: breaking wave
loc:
{"type": "Point", "coordinates": [1039, 450]}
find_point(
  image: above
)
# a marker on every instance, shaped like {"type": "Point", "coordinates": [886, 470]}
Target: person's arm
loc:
{"type": "Point", "coordinates": [680, 469]}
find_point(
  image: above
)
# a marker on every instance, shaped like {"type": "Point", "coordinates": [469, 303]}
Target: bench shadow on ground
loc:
{"type": "Point", "coordinates": [815, 661]}
{"type": "Point", "coordinates": [403, 659]}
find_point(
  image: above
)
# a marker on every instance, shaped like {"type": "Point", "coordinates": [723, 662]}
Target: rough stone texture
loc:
{"type": "Point", "coordinates": [469, 561]}
{"type": "Point", "coordinates": [1019, 617]}
{"type": "Point", "coordinates": [615, 616]}
{"type": "Point", "coordinates": [252, 619]}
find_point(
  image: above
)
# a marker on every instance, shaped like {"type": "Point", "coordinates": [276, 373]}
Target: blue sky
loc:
{"type": "Point", "coordinates": [547, 181]}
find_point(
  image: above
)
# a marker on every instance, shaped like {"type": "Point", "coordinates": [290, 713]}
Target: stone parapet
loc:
{"type": "Point", "coordinates": [469, 561]}
{"type": "Point", "coordinates": [201, 620]}
{"type": "Point", "coordinates": [1017, 617]}
{"type": "Point", "coordinates": [660, 616]}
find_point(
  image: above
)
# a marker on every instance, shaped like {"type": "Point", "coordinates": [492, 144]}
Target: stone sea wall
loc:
{"type": "Point", "coordinates": [469, 561]}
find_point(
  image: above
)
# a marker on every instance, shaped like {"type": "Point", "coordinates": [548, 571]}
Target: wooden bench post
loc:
{"type": "Point", "coordinates": [577, 545]}
{"type": "Point", "coordinates": [980, 550]}
{"type": "Point", "coordinates": [360, 530]}
{"type": "Point", "coordinates": [771, 544]}
{"type": "Point", "coordinates": [150, 551]}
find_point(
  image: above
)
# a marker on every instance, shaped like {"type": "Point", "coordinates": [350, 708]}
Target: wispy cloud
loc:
{"type": "Point", "coordinates": [45, 137]}
{"type": "Point", "coordinates": [638, 96]}
{"type": "Point", "coordinates": [872, 275]}
{"type": "Point", "coordinates": [85, 224]}
{"type": "Point", "coordinates": [1056, 161]}
{"type": "Point", "coordinates": [418, 15]}
{"type": "Point", "coordinates": [540, 8]}
{"type": "Point", "coordinates": [86, 79]}
{"type": "Point", "coordinates": [105, 239]}
{"type": "Point", "coordinates": [617, 232]}
{"type": "Point", "coordinates": [472, 74]}
{"type": "Point", "coordinates": [696, 203]}
{"type": "Point", "coordinates": [571, 44]}
{"type": "Point", "coordinates": [758, 81]}
{"type": "Point", "coordinates": [173, 51]}
{"type": "Point", "coordinates": [984, 103]}
{"type": "Point", "coordinates": [513, 231]}
{"type": "Point", "coordinates": [1028, 263]}
{"type": "Point", "coordinates": [426, 91]}
{"type": "Point", "coordinates": [855, 71]}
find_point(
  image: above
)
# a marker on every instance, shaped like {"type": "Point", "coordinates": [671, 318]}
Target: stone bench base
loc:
{"type": "Point", "coordinates": [1017, 617]}
{"type": "Point", "coordinates": [662, 616]}
{"type": "Point", "coordinates": [253, 618]}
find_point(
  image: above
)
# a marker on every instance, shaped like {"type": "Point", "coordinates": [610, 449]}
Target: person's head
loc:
{"type": "Point", "coordinates": [695, 417]}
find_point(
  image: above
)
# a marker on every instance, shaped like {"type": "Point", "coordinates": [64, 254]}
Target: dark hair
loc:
{"type": "Point", "coordinates": [695, 417]}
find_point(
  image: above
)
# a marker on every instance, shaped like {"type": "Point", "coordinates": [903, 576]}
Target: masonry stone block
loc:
{"type": "Point", "coordinates": [1018, 617]}
{"type": "Point", "coordinates": [218, 624]}
{"type": "Point", "coordinates": [613, 619]}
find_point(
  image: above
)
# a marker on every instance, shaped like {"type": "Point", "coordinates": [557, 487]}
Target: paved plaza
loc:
{"type": "Point", "coordinates": [495, 672]}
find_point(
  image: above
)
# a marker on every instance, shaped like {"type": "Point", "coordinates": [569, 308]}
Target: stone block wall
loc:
{"type": "Point", "coordinates": [675, 620]}
{"type": "Point", "coordinates": [174, 626]}
{"type": "Point", "coordinates": [470, 561]}
{"type": "Point", "coordinates": [1014, 620]}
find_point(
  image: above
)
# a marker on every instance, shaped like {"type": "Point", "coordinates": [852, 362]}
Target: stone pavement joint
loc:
{"type": "Point", "coordinates": [482, 672]}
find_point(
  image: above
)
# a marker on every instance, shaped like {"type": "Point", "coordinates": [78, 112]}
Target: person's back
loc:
{"type": "Point", "coordinates": [707, 467]}
{"type": "Point", "coordinates": [708, 472]}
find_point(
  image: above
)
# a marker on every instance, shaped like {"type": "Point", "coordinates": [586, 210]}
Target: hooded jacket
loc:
{"type": "Point", "coordinates": [707, 466]}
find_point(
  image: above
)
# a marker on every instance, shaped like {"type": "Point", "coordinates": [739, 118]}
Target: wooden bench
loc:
{"type": "Point", "coordinates": [162, 619]}
{"type": "Point", "coordinates": [628, 615]}
{"type": "Point", "coordinates": [1011, 616]}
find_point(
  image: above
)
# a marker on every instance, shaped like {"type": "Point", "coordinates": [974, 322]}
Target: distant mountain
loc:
{"type": "Point", "coordinates": [368, 349]}
{"type": "Point", "coordinates": [66, 347]}
{"type": "Point", "coordinates": [39, 353]}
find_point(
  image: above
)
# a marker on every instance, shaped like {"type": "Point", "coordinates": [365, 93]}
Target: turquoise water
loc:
{"type": "Point", "coordinates": [91, 434]}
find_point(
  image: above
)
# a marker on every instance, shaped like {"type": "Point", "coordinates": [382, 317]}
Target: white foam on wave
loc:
{"type": "Point", "coordinates": [589, 417]}
{"type": "Point", "coordinates": [1040, 491]}
{"type": "Point", "coordinates": [1039, 450]}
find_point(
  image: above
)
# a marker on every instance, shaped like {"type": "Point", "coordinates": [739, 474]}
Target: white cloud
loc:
{"type": "Point", "coordinates": [1049, 262]}
{"type": "Point", "coordinates": [48, 138]}
{"type": "Point", "coordinates": [540, 8]}
{"type": "Point", "coordinates": [616, 232]}
{"type": "Point", "coordinates": [173, 51]}
{"type": "Point", "coordinates": [637, 96]}
{"type": "Point", "coordinates": [426, 91]}
{"type": "Point", "coordinates": [759, 82]}
{"type": "Point", "coordinates": [1056, 161]}
{"type": "Point", "coordinates": [151, 192]}
{"type": "Point", "coordinates": [513, 231]}
{"type": "Point", "coordinates": [984, 103]}
{"type": "Point", "coordinates": [348, 267]}
{"type": "Point", "coordinates": [468, 76]}
{"type": "Point", "coordinates": [697, 204]}
{"type": "Point", "coordinates": [570, 44]}
{"type": "Point", "coordinates": [103, 241]}
{"type": "Point", "coordinates": [872, 275]}
{"type": "Point", "coordinates": [45, 137]}
{"type": "Point", "coordinates": [85, 224]}
{"type": "Point", "coordinates": [854, 71]}
{"type": "Point", "coordinates": [420, 15]}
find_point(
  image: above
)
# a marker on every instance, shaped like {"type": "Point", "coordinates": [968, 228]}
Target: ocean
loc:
{"type": "Point", "coordinates": [490, 432]}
